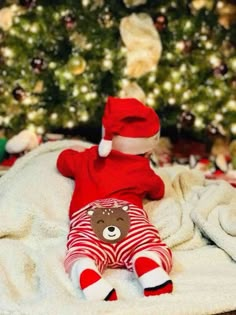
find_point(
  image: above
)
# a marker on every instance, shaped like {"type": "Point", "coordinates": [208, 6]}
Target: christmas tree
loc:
{"type": "Point", "coordinates": [59, 61]}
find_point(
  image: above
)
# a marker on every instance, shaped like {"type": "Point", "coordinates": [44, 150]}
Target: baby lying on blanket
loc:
{"type": "Point", "coordinates": [108, 225]}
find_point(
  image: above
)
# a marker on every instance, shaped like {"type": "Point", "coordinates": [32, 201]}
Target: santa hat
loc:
{"type": "Point", "coordinates": [129, 126]}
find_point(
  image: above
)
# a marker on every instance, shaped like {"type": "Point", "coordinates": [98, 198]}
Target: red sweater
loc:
{"type": "Point", "coordinates": [122, 176]}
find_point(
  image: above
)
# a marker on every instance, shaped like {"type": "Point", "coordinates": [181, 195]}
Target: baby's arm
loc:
{"type": "Point", "coordinates": [157, 187]}
{"type": "Point", "coordinates": [68, 159]}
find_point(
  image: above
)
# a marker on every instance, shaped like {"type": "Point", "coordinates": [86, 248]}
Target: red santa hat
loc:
{"type": "Point", "coordinates": [129, 126]}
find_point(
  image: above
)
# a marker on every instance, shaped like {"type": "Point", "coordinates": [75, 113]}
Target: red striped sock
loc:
{"type": "Point", "coordinates": [95, 287]}
{"type": "Point", "coordinates": [152, 277]}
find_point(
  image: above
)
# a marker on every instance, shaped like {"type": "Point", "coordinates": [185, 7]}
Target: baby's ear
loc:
{"type": "Point", "coordinates": [125, 208]}
{"type": "Point", "coordinates": [90, 212]}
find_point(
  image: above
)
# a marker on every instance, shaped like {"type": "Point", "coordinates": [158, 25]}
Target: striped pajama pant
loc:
{"type": "Point", "coordinates": [142, 237]}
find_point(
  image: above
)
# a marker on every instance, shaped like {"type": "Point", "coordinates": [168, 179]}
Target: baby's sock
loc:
{"type": "Point", "coordinates": [91, 282]}
{"type": "Point", "coordinates": [153, 278]}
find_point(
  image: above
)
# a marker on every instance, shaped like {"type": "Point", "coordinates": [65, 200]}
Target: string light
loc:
{"type": "Point", "coordinates": [70, 124]}
{"type": "Point", "coordinates": [54, 116]}
{"type": "Point", "coordinates": [198, 123]}
{"type": "Point", "coordinates": [171, 100]}
{"type": "Point", "coordinates": [167, 85]}
{"type": "Point", "coordinates": [231, 105]}
{"type": "Point", "coordinates": [201, 108]}
{"type": "Point", "coordinates": [156, 91]}
{"type": "Point", "coordinates": [218, 117]}
{"type": "Point", "coordinates": [40, 130]}
{"type": "Point", "coordinates": [233, 128]}
{"type": "Point", "coordinates": [84, 89]}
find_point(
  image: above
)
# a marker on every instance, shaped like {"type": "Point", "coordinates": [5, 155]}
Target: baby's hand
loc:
{"type": "Point", "coordinates": [78, 148]}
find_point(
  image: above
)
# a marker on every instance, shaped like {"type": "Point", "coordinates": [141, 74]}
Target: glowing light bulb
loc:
{"type": "Point", "coordinates": [67, 75]}
{"type": "Point", "coordinates": [169, 56]}
{"type": "Point", "coordinates": [84, 116]}
{"type": "Point", "coordinates": [152, 78]}
{"type": "Point", "coordinates": [175, 74]}
{"type": "Point", "coordinates": [156, 91]}
{"type": "Point", "coordinates": [107, 64]}
{"type": "Point", "coordinates": [125, 82]}
{"type": "Point", "coordinates": [218, 93]}
{"type": "Point", "coordinates": [40, 130]}
{"type": "Point", "coordinates": [54, 116]}
{"type": "Point", "coordinates": [180, 45]}
{"type": "Point", "coordinates": [187, 94]}
{"type": "Point", "coordinates": [150, 101]}
{"type": "Point", "coordinates": [34, 28]}
{"type": "Point", "coordinates": [70, 124]}
{"type": "Point", "coordinates": [31, 115]}
{"type": "Point", "coordinates": [75, 92]}
{"type": "Point", "coordinates": [183, 68]}
{"type": "Point", "coordinates": [208, 45]}
{"type": "Point", "coordinates": [233, 63]}
{"type": "Point", "coordinates": [39, 8]}
{"type": "Point", "coordinates": [167, 85]}
{"type": "Point", "coordinates": [231, 105]}
{"type": "Point", "coordinates": [171, 100]}
{"type": "Point", "coordinates": [214, 60]}
{"type": "Point", "coordinates": [72, 109]}
{"type": "Point", "coordinates": [198, 122]}
{"type": "Point", "coordinates": [188, 25]}
{"type": "Point", "coordinates": [30, 40]}
{"type": "Point", "coordinates": [7, 52]}
{"type": "Point", "coordinates": [52, 65]}
{"type": "Point", "coordinates": [201, 108]}
{"type": "Point", "coordinates": [85, 3]}
{"type": "Point", "coordinates": [233, 128]}
{"type": "Point", "coordinates": [178, 86]}
{"type": "Point", "coordinates": [84, 89]}
{"type": "Point", "coordinates": [184, 106]}
{"type": "Point", "coordinates": [218, 117]}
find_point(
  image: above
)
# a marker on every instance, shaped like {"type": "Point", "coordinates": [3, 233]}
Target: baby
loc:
{"type": "Point", "coordinates": [108, 225]}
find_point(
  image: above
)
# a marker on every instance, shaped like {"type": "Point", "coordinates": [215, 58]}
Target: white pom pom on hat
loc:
{"type": "Point", "coordinates": [129, 126]}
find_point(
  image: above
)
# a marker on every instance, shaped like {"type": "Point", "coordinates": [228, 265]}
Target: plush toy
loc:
{"type": "Point", "coordinates": [220, 155]}
{"type": "Point", "coordinates": [108, 225]}
{"type": "Point", "coordinates": [18, 145]}
{"type": "Point", "coordinates": [23, 142]}
{"type": "Point", "coordinates": [232, 150]}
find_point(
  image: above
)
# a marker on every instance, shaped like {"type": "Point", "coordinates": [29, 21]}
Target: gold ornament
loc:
{"type": "Point", "coordinates": [38, 88]}
{"type": "Point", "coordinates": [200, 4]}
{"type": "Point", "coordinates": [79, 40]}
{"type": "Point", "coordinates": [77, 65]}
{"type": "Point", "coordinates": [133, 3]}
{"type": "Point", "coordinates": [227, 13]}
{"type": "Point", "coordinates": [143, 44]}
{"type": "Point", "coordinates": [6, 18]}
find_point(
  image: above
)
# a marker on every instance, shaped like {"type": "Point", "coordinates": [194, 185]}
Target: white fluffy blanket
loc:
{"type": "Point", "coordinates": [197, 218]}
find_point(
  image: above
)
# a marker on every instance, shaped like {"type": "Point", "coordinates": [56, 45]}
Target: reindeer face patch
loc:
{"type": "Point", "coordinates": [110, 224]}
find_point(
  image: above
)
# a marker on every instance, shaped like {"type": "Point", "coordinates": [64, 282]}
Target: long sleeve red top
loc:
{"type": "Point", "coordinates": [122, 176]}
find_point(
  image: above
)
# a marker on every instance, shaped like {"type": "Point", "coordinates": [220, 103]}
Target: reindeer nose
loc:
{"type": "Point", "coordinates": [111, 229]}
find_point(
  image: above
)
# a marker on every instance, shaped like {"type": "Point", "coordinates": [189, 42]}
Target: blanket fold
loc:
{"type": "Point", "coordinates": [196, 218]}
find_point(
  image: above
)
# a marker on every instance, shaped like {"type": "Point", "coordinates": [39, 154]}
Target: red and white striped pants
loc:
{"type": "Point", "coordinates": [142, 236]}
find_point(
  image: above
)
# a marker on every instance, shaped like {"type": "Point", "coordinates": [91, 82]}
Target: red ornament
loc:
{"type": "Point", "coordinates": [69, 21]}
{"type": "Point", "coordinates": [18, 93]}
{"type": "Point", "coordinates": [161, 22]}
{"type": "Point", "coordinates": [212, 130]}
{"type": "Point", "coordinates": [187, 119]}
{"type": "Point", "coordinates": [188, 45]}
{"type": "Point", "coordinates": [37, 64]}
{"type": "Point", "coordinates": [222, 69]}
